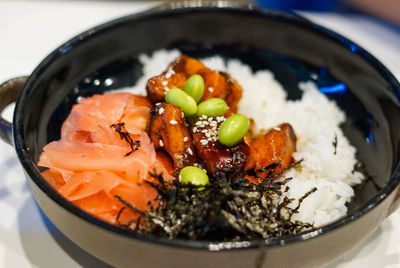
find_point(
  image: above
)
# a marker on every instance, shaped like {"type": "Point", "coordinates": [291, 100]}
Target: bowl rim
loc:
{"type": "Point", "coordinates": [34, 174]}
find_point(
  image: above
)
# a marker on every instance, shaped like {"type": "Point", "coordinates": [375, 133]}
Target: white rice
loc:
{"type": "Point", "coordinates": [315, 120]}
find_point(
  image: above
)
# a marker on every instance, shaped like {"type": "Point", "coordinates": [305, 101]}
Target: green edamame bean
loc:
{"type": "Point", "coordinates": [179, 98]}
{"type": "Point", "coordinates": [233, 129]}
{"type": "Point", "coordinates": [212, 107]}
{"type": "Point", "coordinates": [194, 175]}
{"type": "Point", "coordinates": [194, 86]}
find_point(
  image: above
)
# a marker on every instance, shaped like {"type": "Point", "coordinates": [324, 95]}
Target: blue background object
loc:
{"type": "Point", "coordinates": [316, 5]}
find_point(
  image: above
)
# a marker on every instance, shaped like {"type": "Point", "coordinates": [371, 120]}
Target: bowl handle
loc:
{"type": "Point", "coordinates": [8, 93]}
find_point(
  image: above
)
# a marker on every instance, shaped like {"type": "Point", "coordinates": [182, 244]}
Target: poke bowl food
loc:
{"type": "Point", "coordinates": [187, 156]}
{"type": "Point", "coordinates": [212, 137]}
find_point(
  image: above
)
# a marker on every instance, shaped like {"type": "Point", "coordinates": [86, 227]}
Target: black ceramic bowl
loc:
{"type": "Point", "coordinates": [292, 47]}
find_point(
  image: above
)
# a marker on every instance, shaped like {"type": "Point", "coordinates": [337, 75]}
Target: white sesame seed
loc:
{"type": "Point", "coordinates": [164, 83]}
{"type": "Point", "coordinates": [204, 116]}
{"type": "Point", "coordinates": [173, 122]}
{"type": "Point", "coordinates": [277, 128]}
{"type": "Point", "coordinates": [108, 82]}
{"type": "Point", "coordinates": [96, 82]}
{"type": "Point", "coordinates": [182, 114]}
{"type": "Point", "coordinates": [190, 151]}
{"type": "Point", "coordinates": [166, 89]}
{"type": "Point", "coordinates": [220, 119]}
{"type": "Point", "coordinates": [208, 134]}
{"type": "Point", "coordinates": [198, 123]}
{"type": "Point", "coordinates": [185, 139]}
{"type": "Point", "coordinates": [161, 110]}
{"type": "Point", "coordinates": [211, 89]}
{"type": "Point", "coordinates": [158, 103]}
{"type": "Point", "coordinates": [204, 142]}
{"type": "Point", "coordinates": [168, 75]}
{"type": "Point", "coordinates": [195, 129]}
{"type": "Point", "coordinates": [161, 143]}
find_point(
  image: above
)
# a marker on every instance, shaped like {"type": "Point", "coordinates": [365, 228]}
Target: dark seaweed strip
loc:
{"type": "Point", "coordinates": [238, 158]}
{"type": "Point", "coordinates": [228, 209]}
{"type": "Point", "coordinates": [270, 167]}
{"type": "Point", "coordinates": [129, 205]}
{"type": "Point", "coordinates": [335, 143]}
{"type": "Point", "coordinates": [119, 215]}
{"type": "Point", "coordinates": [127, 226]}
{"type": "Point", "coordinates": [283, 171]}
{"type": "Point", "coordinates": [304, 197]}
{"type": "Point", "coordinates": [125, 135]}
{"type": "Point", "coordinates": [137, 224]}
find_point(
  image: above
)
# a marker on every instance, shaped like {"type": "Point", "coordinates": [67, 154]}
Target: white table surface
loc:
{"type": "Point", "coordinates": [29, 30]}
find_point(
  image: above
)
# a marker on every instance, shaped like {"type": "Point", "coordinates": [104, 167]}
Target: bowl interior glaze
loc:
{"type": "Point", "coordinates": [291, 47]}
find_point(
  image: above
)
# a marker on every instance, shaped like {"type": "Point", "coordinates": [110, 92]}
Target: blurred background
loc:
{"type": "Point", "coordinates": [388, 10]}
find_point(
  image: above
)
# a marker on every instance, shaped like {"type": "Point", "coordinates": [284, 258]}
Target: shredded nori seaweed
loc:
{"type": "Point", "coordinates": [335, 143]}
{"type": "Point", "coordinates": [125, 135]}
{"type": "Point", "coordinates": [228, 209]}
